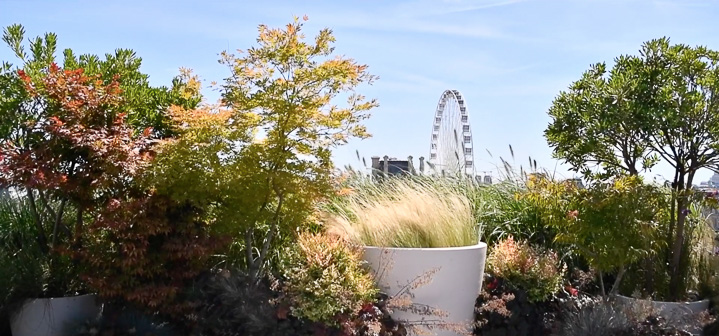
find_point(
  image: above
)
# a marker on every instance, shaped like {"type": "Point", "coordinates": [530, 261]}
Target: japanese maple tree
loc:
{"type": "Point", "coordinates": [262, 160]}
{"type": "Point", "coordinates": [76, 148]}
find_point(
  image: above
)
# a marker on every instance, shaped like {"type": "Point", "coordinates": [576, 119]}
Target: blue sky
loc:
{"type": "Point", "coordinates": [508, 58]}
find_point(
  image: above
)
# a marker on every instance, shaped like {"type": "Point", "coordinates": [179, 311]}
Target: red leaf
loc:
{"type": "Point", "coordinates": [147, 131]}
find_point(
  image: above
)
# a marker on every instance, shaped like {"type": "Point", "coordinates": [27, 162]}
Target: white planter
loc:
{"type": "Point", "coordinates": [53, 316]}
{"type": "Point", "coordinates": [455, 276]}
{"type": "Point", "coordinates": [671, 311]}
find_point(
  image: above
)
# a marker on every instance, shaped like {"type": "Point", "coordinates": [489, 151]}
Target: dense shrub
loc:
{"type": "Point", "coordinates": [231, 303]}
{"type": "Point", "coordinates": [607, 318]}
{"type": "Point", "coordinates": [502, 309]}
{"type": "Point", "coordinates": [503, 213]}
{"type": "Point", "coordinates": [326, 279]}
{"type": "Point", "coordinates": [534, 270]}
{"type": "Point", "coordinates": [146, 251]}
{"type": "Point", "coordinates": [611, 224]}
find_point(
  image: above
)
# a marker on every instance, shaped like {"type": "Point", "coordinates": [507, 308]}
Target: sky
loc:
{"type": "Point", "coordinates": [508, 58]}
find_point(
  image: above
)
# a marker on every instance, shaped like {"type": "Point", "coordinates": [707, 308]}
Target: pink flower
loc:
{"type": "Point", "coordinates": [572, 291]}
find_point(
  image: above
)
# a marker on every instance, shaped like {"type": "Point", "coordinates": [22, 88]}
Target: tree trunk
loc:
{"type": "Point", "coordinates": [618, 281]}
{"type": "Point", "coordinates": [41, 237]}
{"type": "Point", "coordinates": [672, 218]}
{"type": "Point", "coordinates": [678, 243]}
{"type": "Point", "coordinates": [57, 222]}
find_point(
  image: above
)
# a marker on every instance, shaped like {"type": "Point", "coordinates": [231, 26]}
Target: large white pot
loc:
{"type": "Point", "coordinates": [455, 276]}
{"type": "Point", "coordinates": [671, 311]}
{"type": "Point", "coordinates": [54, 316]}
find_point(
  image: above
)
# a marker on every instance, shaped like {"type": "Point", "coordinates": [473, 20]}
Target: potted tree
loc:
{"type": "Point", "coordinates": [422, 243]}
{"type": "Point", "coordinates": [658, 106]}
{"type": "Point", "coordinates": [613, 225]}
{"type": "Point", "coordinates": [66, 148]}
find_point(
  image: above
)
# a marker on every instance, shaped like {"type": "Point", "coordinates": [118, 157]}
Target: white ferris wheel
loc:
{"type": "Point", "coordinates": [451, 148]}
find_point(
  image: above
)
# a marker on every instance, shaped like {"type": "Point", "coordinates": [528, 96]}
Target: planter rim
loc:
{"type": "Point", "coordinates": [663, 302]}
{"type": "Point", "coordinates": [458, 248]}
{"type": "Point", "coordinates": [28, 300]}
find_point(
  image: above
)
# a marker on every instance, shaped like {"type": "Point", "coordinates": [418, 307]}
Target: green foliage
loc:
{"type": "Point", "coordinates": [596, 124]}
{"type": "Point", "coordinates": [260, 163]}
{"type": "Point", "coordinates": [596, 219]}
{"type": "Point", "coordinates": [326, 280]}
{"type": "Point", "coordinates": [503, 212]}
{"type": "Point", "coordinates": [21, 270]}
{"type": "Point", "coordinates": [25, 271]}
{"type": "Point", "coordinates": [659, 105]}
{"type": "Point", "coordinates": [536, 271]}
{"type": "Point", "coordinates": [405, 212]}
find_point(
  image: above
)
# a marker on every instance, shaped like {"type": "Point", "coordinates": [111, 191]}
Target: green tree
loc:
{"type": "Point", "coordinates": [73, 137]}
{"type": "Point", "coordinates": [661, 105]}
{"type": "Point", "coordinates": [262, 160]}
{"type": "Point", "coordinates": [682, 126]}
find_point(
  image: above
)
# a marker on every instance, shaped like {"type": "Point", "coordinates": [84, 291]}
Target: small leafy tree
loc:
{"type": "Point", "coordinates": [73, 141]}
{"type": "Point", "coordinates": [261, 161]}
{"type": "Point", "coordinates": [612, 224]}
{"type": "Point", "coordinates": [682, 126]}
{"type": "Point", "coordinates": [72, 150]}
{"type": "Point", "coordinates": [145, 249]}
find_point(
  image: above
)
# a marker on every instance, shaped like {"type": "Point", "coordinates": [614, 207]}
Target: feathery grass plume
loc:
{"type": "Point", "coordinates": [406, 212]}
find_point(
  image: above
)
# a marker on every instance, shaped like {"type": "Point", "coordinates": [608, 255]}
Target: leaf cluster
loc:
{"type": "Point", "coordinates": [594, 219]}
{"type": "Point", "coordinates": [534, 270]}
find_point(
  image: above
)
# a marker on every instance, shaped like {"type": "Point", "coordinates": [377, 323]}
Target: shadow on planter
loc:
{"type": "Point", "coordinates": [54, 316]}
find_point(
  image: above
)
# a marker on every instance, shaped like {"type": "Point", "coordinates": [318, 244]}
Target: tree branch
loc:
{"type": "Point", "coordinates": [271, 235]}
{"type": "Point", "coordinates": [41, 237]}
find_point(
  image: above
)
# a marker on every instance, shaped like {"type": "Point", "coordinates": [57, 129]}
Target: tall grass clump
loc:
{"type": "Point", "coordinates": [22, 266]}
{"type": "Point", "coordinates": [417, 212]}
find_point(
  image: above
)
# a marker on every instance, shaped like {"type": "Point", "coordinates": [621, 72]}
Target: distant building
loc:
{"type": "Point", "coordinates": [714, 181]}
{"type": "Point", "coordinates": [392, 166]}
{"type": "Point", "coordinates": [576, 181]}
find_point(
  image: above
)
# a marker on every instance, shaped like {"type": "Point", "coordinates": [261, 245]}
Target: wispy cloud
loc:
{"type": "Point", "coordinates": [412, 83]}
{"type": "Point", "coordinates": [389, 23]}
{"type": "Point", "coordinates": [471, 6]}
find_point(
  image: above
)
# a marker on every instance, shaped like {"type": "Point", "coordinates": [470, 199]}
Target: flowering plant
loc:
{"type": "Point", "coordinates": [534, 270]}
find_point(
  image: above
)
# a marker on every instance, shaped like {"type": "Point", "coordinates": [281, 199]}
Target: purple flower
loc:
{"type": "Point", "coordinates": [686, 212]}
